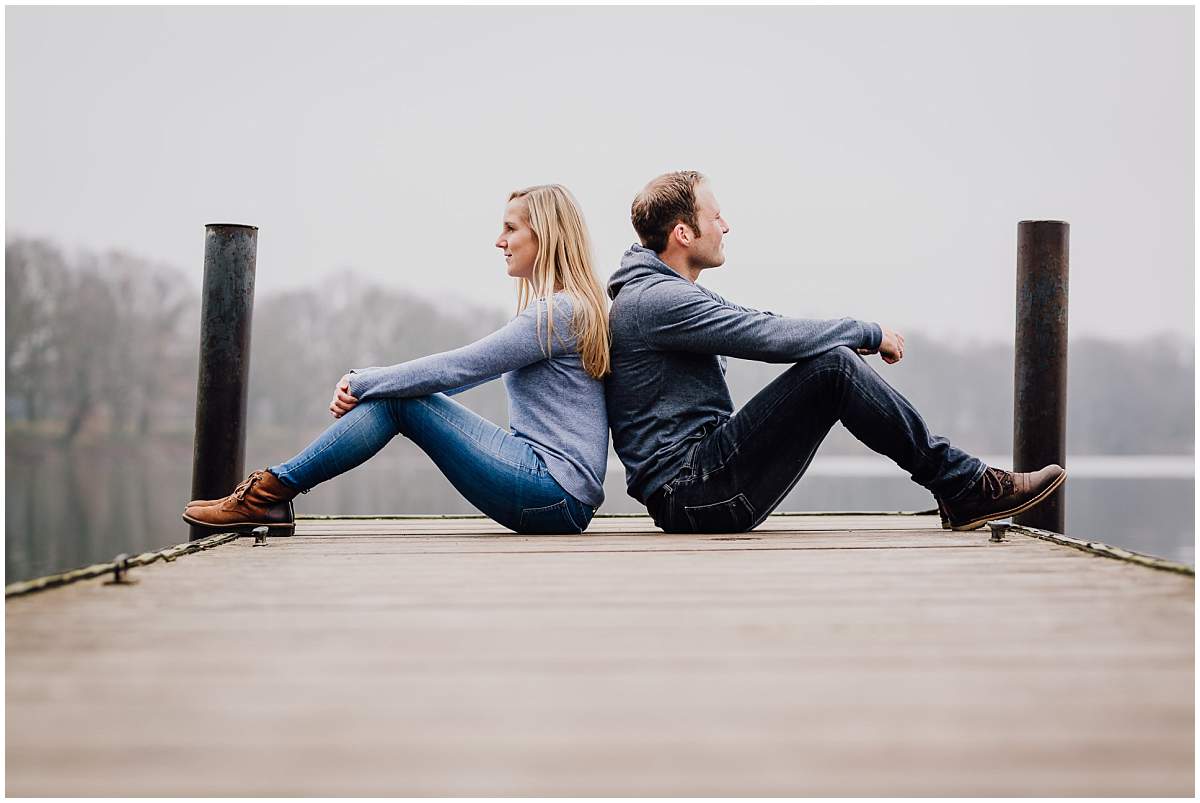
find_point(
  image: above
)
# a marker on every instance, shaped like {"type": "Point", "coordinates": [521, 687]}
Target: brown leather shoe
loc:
{"type": "Point", "coordinates": [207, 502]}
{"type": "Point", "coordinates": [260, 500]}
{"type": "Point", "coordinates": [999, 494]}
{"type": "Point", "coordinates": [942, 515]}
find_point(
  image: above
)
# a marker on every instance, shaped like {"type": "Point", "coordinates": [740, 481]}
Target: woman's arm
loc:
{"type": "Point", "coordinates": [343, 402]}
{"type": "Point", "coordinates": [514, 346]}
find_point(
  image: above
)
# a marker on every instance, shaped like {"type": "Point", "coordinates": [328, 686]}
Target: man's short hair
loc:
{"type": "Point", "coordinates": [665, 201]}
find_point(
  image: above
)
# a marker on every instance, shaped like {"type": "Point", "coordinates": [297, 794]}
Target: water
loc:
{"type": "Point", "coordinates": [70, 507]}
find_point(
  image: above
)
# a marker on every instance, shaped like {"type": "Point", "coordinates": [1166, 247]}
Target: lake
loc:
{"type": "Point", "coordinates": [70, 507]}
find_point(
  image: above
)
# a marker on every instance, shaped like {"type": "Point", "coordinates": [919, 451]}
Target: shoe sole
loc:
{"type": "Point", "coordinates": [241, 526]}
{"type": "Point", "coordinates": [977, 523]}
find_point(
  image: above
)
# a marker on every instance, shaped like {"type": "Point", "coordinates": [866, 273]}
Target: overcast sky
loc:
{"type": "Point", "coordinates": [871, 162]}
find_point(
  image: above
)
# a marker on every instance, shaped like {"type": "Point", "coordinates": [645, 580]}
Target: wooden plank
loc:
{"type": "Point", "coordinates": [626, 525]}
{"type": "Point", "coordinates": [851, 658]}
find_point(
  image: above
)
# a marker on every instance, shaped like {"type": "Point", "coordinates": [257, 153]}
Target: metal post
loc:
{"type": "Point", "coordinates": [1040, 403]}
{"type": "Point", "coordinates": [219, 453]}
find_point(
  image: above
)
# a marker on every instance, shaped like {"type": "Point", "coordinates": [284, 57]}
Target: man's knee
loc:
{"type": "Point", "coordinates": [844, 358]}
{"type": "Point", "coordinates": [838, 371]}
{"type": "Point", "coordinates": [847, 354]}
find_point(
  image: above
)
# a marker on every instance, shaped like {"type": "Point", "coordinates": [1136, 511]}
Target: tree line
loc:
{"type": "Point", "coordinates": [109, 342]}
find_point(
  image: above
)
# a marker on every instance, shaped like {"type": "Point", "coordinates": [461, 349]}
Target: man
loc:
{"type": "Point", "coordinates": [698, 467]}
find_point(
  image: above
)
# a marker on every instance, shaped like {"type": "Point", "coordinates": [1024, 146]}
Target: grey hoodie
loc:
{"type": "Point", "coordinates": [669, 341]}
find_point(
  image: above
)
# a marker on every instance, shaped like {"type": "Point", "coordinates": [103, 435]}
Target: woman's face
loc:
{"type": "Point", "coordinates": [517, 240]}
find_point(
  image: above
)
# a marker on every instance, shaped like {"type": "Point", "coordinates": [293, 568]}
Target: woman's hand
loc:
{"type": "Point", "coordinates": [342, 402]}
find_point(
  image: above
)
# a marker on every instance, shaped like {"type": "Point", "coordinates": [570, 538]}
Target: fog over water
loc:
{"type": "Point", "coordinates": [67, 508]}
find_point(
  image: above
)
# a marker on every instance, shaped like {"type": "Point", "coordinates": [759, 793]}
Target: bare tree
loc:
{"type": "Point", "coordinates": [148, 301]}
{"type": "Point", "coordinates": [85, 343]}
{"type": "Point", "coordinates": [35, 277]}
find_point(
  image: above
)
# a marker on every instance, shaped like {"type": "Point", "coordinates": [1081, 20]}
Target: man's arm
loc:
{"type": "Point", "coordinates": [676, 316]}
{"type": "Point", "coordinates": [722, 300]}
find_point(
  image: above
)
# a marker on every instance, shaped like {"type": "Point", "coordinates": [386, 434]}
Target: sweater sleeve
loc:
{"type": "Point", "coordinates": [677, 316]}
{"type": "Point", "coordinates": [512, 347]}
{"type": "Point", "coordinates": [726, 302]}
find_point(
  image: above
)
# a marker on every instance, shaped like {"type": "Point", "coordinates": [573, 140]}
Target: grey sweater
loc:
{"type": "Point", "coordinates": [669, 341]}
{"type": "Point", "coordinates": [553, 404]}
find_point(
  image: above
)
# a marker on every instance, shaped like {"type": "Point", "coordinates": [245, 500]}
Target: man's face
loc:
{"type": "Point", "coordinates": [708, 249]}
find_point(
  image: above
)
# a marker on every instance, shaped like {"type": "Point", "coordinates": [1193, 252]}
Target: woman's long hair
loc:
{"type": "Point", "coordinates": [564, 259]}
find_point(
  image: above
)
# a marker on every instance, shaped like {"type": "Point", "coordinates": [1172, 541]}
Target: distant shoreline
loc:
{"type": "Point", "coordinates": [1092, 466]}
{"type": "Point", "coordinates": [1100, 466]}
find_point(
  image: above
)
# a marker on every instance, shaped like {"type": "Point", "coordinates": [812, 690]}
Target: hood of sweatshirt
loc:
{"type": "Point", "coordinates": [638, 263]}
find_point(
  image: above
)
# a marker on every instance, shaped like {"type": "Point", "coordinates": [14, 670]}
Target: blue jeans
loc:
{"type": "Point", "coordinates": [744, 466]}
{"type": "Point", "coordinates": [497, 472]}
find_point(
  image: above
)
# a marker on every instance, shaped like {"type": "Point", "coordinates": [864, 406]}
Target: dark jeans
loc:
{"type": "Point", "coordinates": [746, 465]}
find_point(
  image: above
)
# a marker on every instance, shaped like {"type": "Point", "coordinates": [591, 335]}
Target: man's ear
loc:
{"type": "Point", "coordinates": [682, 234]}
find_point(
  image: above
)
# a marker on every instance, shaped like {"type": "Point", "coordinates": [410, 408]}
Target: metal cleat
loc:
{"type": "Point", "coordinates": [120, 572]}
{"type": "Point", "coordinates": [999, 529]}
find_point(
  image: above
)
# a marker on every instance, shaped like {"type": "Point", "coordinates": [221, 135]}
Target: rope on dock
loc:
{"type": "Point", "coordinates": [1106, 550]}
{"type": "Point", "coordinates": [100, 569]}
{"type": "Point", "coordinates": [454, 516]}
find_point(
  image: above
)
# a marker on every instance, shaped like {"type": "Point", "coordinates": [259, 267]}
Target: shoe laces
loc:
{"type": "Point", "coordinates": [997, 483]}
{"type": "Point", "coordinates": [247, 484]}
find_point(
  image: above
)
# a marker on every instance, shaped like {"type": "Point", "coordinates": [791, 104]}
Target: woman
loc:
{"type": "Point", "coordinates": [547, 474]}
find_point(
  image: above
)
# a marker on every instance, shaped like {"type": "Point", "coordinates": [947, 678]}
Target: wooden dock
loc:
{"type": "Point", "coordinates": [818, 655]}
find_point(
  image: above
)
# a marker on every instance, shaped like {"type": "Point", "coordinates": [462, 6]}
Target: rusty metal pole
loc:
{"type": "Point", "coordinates": [1040, 402]}
{"type": "Point", "coordinates": [227, 301]}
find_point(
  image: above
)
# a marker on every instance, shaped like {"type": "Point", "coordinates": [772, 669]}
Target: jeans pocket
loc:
{"type": "Point", "coordinates": [734, 515]}
{"type": "Point", "coordinates": [549, 520]}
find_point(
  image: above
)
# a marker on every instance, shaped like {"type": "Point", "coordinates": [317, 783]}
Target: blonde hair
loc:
{"type": "Point", "coordinates": [564, 259]}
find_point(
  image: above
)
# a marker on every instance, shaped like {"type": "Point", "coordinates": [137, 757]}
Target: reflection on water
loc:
{"type": "Point", "coordinates": [72, 507]}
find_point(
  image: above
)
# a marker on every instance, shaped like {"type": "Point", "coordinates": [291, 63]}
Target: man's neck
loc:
{"type": "Point", "coordinates": [677, 263]}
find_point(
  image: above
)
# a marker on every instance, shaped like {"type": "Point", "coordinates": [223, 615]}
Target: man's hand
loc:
{"type": "Point", "coordinates": [891, 348]}
{"type": "Point", "coordinates": [342, 402]}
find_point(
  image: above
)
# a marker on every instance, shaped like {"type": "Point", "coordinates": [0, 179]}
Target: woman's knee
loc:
{"type": "Point", "coordinates": [374, 407]}
{"type": "Point", "coordinates": [397, 409]}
